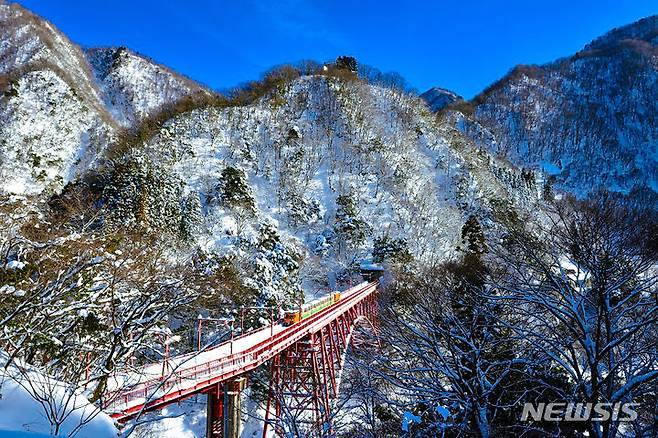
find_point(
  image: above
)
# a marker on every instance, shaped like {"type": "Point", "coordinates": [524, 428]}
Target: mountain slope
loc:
{"type": "Point", "coordinates": [331, 165]}
{"type": "Point", "coordinates": [53, 122]}
{"type": "Point", "coordinates": [303, 179]}
{"type": "Point", "coordinates": [589, 120]}
{"type": "Point", "coordinates": [134, 87]}
{"type": "Point", "coordinates": [645, 29]}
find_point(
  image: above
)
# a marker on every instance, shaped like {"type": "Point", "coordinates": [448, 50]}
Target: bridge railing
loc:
{"type": "Point", "coordinates": [156, 388]}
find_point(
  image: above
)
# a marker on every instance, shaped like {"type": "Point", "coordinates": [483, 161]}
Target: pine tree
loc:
{"type": "Point", "coordinates": [275, 269]}
{"type": "Point", "coordinates": [302, 211]}
{"type": "Point", "coordinates": [348, 224]}
{"type": "Point", "coordinates": [269, 237]}
{"type": "Point", "coordinates": [191, 217]}
{"type": "Point", "coordinates": [473, 236]}
{"type": "Point", "coordinates": [386, 248]}
{"type": "Point", "coordinates": [143, 194]}
{"type": "Point", "coordinates": [547, 191]}
{"type": "Point", "coordinates": [347, 63]}
{"type": "Point", "coordinates": [234, 191]}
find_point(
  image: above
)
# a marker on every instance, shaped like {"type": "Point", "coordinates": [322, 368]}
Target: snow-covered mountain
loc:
{"type": "Point", "coordinates": [265, 197]}
{"type": "Point", "coordinates": [438, 98]}
{"type": "Point", "coordinates": [588, 119]}
{"type": "Point", "coordinates": [134, 86]}
{"type": "Point", "coordinates": [327, 163]}
{"type": "Point", "coordinates": [320, 154]}
{"type": "Point", "coordinates": [53, 122]}
{"type": "Point", "coordinates": [285, 187]}
{"type": "Point", "coordinates": [61, 106]}
{"type": "Point", "coordinates": [332, 165]}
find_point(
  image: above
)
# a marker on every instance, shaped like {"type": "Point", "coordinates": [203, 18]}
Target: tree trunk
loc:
{"type": "Point", "coordinates": [482, 419]}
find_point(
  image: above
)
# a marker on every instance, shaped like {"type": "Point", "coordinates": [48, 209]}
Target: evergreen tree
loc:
{"type": "Point", "coordinates": [473, 236]}
{"type": "Point", "coordinates": [269, 237]}
{"type": "Point", "coordinates": [346, 63]}
{"type": "Point", "coordinates": [348, 224]}
{"type": "Point", "coordinates": [191, 216]}
{"type": "Point", "coordinates": [547, 191]}
{"type": "Point", "coordinates": [275, 269]}
{"type": "Point", "coordinates": [302, 211]}
{"type": "Point", "coordinates": [144, 194]}
{"type": "Point", "coordinates": [386, 248]}
{"type": "Point", "coordinates": [234, 191]}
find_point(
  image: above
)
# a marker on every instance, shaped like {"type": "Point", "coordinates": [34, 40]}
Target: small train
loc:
{"type": "Point", "coordinates": [294, 316]}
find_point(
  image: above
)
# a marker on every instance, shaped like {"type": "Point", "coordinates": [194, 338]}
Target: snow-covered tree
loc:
{"type": "Point", "coordinates": [347, 63]}
{"type": "Point", "coordinates": [303, 212]}
{"type": "Point", "coordinates": [191, 215]}
{"type": "Point", "coordinates": [580, 290]}
{"type": "Point", "coordinates": [472, 236]}
{"type": "Point", "coordinates": [391, 249]}
{"type": "Point", "coordinates": [141, 192]}
{"type": "Point", "coordinates": [349, 225]}
{"type": "Point", "coordinates": [450, 362]}
{"type": "Point", "coordinates": [234, 191]}
{"type": "Point", "coordinates": [81, 307]}
{"type": "Point", "coordinates": [274, 269]}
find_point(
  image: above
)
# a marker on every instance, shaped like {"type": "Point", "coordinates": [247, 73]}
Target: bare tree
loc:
{"type": "Point", "coordinates": [448, 361]}
{"type": "Point", "coordinates": [63, 406]}
{"type": "Point", "coordinates": [565, 309]}
{"type": "Point", "coordinates": [81, 308]}
{"type": "Point", "coordinates": [579, 288]}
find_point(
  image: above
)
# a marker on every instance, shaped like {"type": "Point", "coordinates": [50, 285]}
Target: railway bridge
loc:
{"type": "Point", "coordinates": [305, 359]}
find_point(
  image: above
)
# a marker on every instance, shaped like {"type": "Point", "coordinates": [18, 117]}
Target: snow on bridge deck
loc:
{"type": "Point", "coordinates": [193, 373]}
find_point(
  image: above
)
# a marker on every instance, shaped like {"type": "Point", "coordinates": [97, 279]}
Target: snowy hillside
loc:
{"type": "Point", "coordinates": [29, 43]}
{"type": "Point", "coordinates": [134, 200]}
{"type": "Point", "coordinates": [52, 120]}
{"type": "Point", "coordinates": [331, 165]}
{"type": "Point", "coordinates": [265, 197]}
{"type": "Point", "coordinates": [32, 402]}
{"type": "Point", "coordinates": [589, 119]}
{"type": "Point", "coordinates": [133, 86]}
{"type": "Point", "coordinates": [296, 183]}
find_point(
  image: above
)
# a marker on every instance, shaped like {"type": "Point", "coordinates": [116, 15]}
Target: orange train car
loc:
{"type": "Point", "coordinates": [291, 317]}
{"type": "Point", "coordinates": [294, 316]}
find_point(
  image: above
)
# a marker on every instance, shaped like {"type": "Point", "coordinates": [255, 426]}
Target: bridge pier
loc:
{"type": "Point", "coordinates": [223, 411]}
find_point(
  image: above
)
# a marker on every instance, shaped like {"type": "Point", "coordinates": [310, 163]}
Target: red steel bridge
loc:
{"type": "Point", "coordinates": [305, 359]}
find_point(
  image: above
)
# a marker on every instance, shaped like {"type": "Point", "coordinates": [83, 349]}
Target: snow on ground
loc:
{"type": "Point", "coordinates": [18, 434]}
{"type": "Point", "coordinates": [186, 419]}
{"type": "Point", "coordinates": [252, 418]}
{"type": "Point", "coordinates": [21, 415]}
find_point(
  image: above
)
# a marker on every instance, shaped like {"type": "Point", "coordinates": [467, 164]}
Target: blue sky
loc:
{"type": "Point", "coordinates": [462, 45]}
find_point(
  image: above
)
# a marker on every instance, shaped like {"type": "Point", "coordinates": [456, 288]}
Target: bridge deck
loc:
{"type": "Point", "coordinates": [194, 373]}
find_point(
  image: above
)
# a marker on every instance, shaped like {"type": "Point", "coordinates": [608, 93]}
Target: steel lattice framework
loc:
{"type": "Point", "coordinates": [305, 378]}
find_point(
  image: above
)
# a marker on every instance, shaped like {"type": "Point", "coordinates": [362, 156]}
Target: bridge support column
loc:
{"type": "Point", "coordinates": [215, 412]}
{"type": "Point", "coordinates": [223, 415]}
